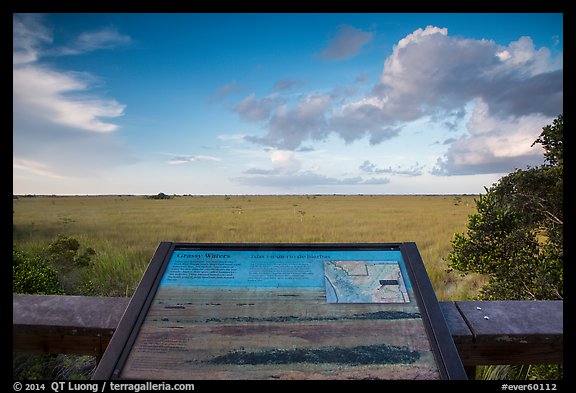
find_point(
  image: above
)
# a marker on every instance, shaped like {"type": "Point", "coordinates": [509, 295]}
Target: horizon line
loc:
{"type": "Point", "coordinates": [232, 194]}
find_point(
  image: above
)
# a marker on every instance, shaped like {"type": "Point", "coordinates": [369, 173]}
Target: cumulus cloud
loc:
{"type": "Point", "coordinates": [429, 75]}
{"type": "Point", "coordinates": [253, 109]}
{"type": "Point", "coordinates": [285, 161]}
{"type": "Point", "coordinates": [434, 70]}
{"type": "Point", "coordinates": [430, 71]}
{"type": "Point", "coordinates": [288, 126]}
{"type": "Point", "coordinates": [365, 117]}
{"type": "Point", "coordinates": [346, 44]}
{"type": "Point", "coordinates": [493, 145]}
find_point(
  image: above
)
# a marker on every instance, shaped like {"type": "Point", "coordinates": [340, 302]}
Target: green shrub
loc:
{"type": "Point", "coordinates": [59, 269]}
{"type": "Point", "coordinates": [63, 252]}
{"type": "Point", "coordinates": [33, 276]}
{"type": "Point", "coordinates": [71, 264]}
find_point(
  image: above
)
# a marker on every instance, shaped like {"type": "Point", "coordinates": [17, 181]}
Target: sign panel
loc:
{"type": "Point", "coordinates": [260, 311]}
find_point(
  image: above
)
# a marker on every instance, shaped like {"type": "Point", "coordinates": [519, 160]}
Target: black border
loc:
{"type": "Point", "coordinates": [442, 344]}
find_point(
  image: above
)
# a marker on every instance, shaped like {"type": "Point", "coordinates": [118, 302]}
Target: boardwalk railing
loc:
{"type": "Point", "coordinates": [485, 332]}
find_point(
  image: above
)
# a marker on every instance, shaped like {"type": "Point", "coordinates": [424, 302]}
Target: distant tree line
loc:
{"type": "Point", "coordinates": [160, 195]}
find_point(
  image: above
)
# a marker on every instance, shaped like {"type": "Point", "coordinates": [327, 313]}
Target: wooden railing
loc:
{"type": "Point", "coordinates": [485, 332]}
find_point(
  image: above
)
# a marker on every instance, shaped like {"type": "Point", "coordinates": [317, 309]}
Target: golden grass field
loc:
{"type": "Point", "coordinates": [125, 230]}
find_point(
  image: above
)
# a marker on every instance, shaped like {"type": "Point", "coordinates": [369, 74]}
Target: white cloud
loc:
{"type": "Point", "coordinates": [253, 109]}
{"type": "Point", "coordinates": [42, 93]}
{"type": "Point", "coordinates": [369, 167]}
{"type": "Point", "coordinates": [285, 161]}
{"type": "Point", "coordinates": [364, 117]}
{"type": "Point", "coordinates": [396, 65]}
{"type": "Point", "coordinates": [522, 56]}
{"type": "Point", "coordinates": [347, 43]}
{"type": "Point", "coordinates": [50, 95]}
{"type": "Point", "coordinates": [282, 162]}
{"type": "Point", "coordinates": [46, 95]}
{"type": "Point", "coordinates": [494, 145]}
{"type": "Point", "coordinates": [105, 38]}
{"type": "Point", "coordinates": [503, 55]}
{"type": "Point", "coordinates": [187, 159]}
{"type": "Point", "coordinates": [28, 36]}
{"type": "Point", "coordinates": [35, 167]}
{"type": "Point", "coordinates": [231, 137]}
{"type": "Point", "coordinates": [286, 84]}
{"type": "Point", "coordinates": [430, 70]}
{"type": "Point", "coordinates": [61, 126]}
{"type": "Point", "coordinates": [289, 126]}
{"type": "Point", "coordinates": [224, 91]}
{"type": "Point", "coordinates": [32, 39]}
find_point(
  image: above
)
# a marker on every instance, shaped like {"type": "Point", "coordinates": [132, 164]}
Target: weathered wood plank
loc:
{"type": "Point", "coordinates": [83, 312]}
{"type": "Point", "coordinates": [512, 332]}
{"type": "Point", "coordinates": [524, 332]}
{"type": "Point", "coordinates": [456, 324]}
{"type": "Point", "coordinates": [65, 324]}
{"type": "Point", "coordinates": [514, 320]}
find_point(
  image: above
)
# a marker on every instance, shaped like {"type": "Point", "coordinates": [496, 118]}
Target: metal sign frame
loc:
{"type": "Point", "coordinates": [123, 341]}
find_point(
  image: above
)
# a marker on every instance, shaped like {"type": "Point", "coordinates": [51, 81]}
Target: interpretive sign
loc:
{"type": "Point", "coordinates": [283, 311]}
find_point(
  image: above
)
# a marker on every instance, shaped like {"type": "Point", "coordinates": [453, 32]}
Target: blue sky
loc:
{"type": "Point", "coordinates": [280, 103]}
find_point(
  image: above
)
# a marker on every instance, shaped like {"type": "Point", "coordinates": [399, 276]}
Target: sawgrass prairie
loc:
{"type": "Point", "coordinates": [125, 230]}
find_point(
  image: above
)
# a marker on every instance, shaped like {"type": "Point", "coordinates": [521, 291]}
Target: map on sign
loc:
{"type": "Point", "coordinates": [364, 282]}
